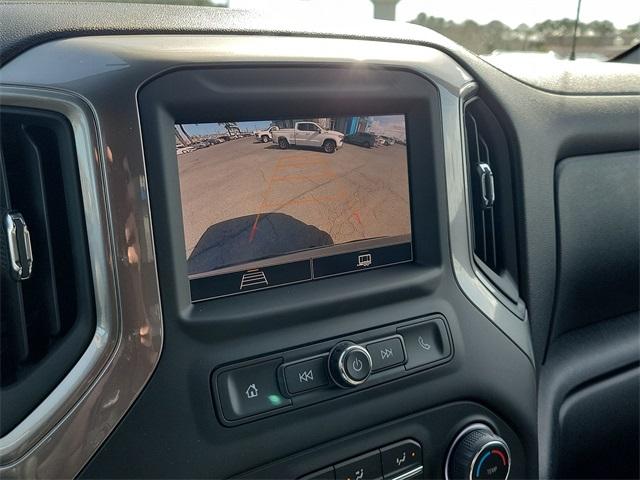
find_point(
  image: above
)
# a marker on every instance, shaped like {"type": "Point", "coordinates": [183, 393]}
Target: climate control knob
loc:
{"type": "Point", "coordinates": [478, 453]}
{"type": "Point", "coordinates": [349, 364]}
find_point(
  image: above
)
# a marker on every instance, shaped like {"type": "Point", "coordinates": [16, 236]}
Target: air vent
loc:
{"type": "Point", "coordinates": [489, 171]}
{"type": "Point", "coordinates": [482, 194]}
{"type": "Point", "coordinates": [46, 308]}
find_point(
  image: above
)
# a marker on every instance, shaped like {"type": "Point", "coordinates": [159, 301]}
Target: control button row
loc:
{"type": "Point", "coordinates": [251, 390]}
{"type": "Point", "coordinates": [401, 460]}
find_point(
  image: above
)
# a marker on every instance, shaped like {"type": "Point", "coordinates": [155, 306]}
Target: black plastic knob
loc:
{"type": "Point", "coordinates": [478, 453]}
{"type": "Point", "coordinates": [349, 364]}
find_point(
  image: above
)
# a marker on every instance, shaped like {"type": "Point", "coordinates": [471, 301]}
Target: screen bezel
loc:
{"type": "Point", "coordinates": [262, 92]}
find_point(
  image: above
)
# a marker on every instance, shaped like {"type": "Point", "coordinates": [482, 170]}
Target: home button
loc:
{"type": "Point", "coordinates": [250, 390]}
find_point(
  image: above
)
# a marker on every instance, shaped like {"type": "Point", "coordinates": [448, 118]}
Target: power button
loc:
{"type": "Point", "coordinates": [358, 365]}
{"type": "Point", "coordinates": [349, 364]}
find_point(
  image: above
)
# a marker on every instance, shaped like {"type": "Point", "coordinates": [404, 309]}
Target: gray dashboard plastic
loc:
{"type": "Point", "coordinates": [598, 215]}
{"type": "Point", "coordinates": [582, 453]}
{"type": "Point", "coordinates": [602, 350]}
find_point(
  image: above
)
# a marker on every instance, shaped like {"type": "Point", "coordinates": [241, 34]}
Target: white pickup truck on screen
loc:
{"type": "Point", "coordinates": [265, 136]}
{"type": "Point", "coordinates": [308, 134]}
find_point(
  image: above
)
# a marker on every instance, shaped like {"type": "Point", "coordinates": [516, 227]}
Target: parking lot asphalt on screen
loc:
{"type": "Point", "coordinates": [244, 200]}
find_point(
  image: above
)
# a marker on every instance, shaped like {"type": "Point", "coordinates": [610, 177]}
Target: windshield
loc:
{"type": "Point", "coordinates": [501, 31]}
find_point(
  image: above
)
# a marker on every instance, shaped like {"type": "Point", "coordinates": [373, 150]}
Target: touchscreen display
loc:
{"type": "Point", "coordinates": [275, 202]}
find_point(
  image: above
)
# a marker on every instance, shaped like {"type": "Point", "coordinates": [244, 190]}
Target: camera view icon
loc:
{"type": "Point", "coordinates": [253, 278]}
{"type": "Point", "coordinates": [364, 260]}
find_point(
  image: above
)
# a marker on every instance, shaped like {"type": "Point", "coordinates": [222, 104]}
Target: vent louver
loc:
{"type": "Point", "coordinates": [491, 198]}
{"type": "Point", "coordinates": [482, 194]}
{"type": "Point", "coordinates": [45, 308]}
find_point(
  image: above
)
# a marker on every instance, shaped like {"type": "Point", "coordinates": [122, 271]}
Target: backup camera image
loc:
{"type": "Point", "coordinates": [263, 193]}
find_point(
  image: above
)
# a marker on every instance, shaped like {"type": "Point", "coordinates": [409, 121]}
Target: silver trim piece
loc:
{"type": "Point", "coordinates": [27, 251]}
{"type": "Point", "coordinates": [69, 76]}
{"type": "Point", "coordinates": [19, 272]}
{"type": "Point", "coordinates": [487, 185]}
{"type": "Point", "coordinates": [45, 417]}
{"type": "Point", "coordinates": [410, 474]}
{"type": "Point", "coordinates": [57, 438]}
{"type": "Point", "coordinates": [473, 283]}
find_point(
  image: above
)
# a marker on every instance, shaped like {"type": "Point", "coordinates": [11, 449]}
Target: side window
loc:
{"type": "Point", "coordinates": [304, 127]}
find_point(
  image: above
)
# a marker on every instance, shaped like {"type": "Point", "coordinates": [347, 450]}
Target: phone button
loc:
{"type": "Point", "coordinates": [400, 457]}
{"type": "Point", "coordinates": [425, 342]}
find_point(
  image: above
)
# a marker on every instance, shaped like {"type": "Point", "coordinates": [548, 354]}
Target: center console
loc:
{"type": "Point", "coordinates": [306, 235]}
